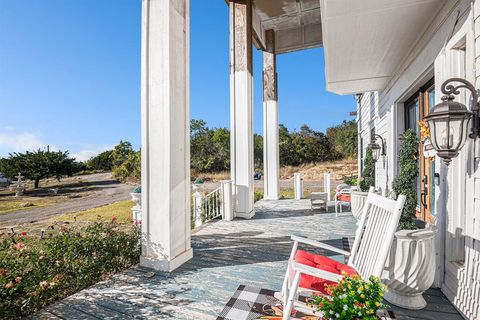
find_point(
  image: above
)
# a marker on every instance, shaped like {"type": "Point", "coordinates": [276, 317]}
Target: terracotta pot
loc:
{"type": "Point", "coordinates": [358, 199]}
{"type": "Point", "coordinates": [410, 267]}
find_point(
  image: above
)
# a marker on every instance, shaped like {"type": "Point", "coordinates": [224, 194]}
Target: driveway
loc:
{"type": "Point", "coordinates": [107, 191]}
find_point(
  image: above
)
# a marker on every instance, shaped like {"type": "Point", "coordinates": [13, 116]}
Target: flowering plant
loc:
{"type": "Point", "coordinates": [37, 269]}
{"type": "Point", "coordinates": [424, 130]}
{"type": "Point", "coordinates": [353, 298]}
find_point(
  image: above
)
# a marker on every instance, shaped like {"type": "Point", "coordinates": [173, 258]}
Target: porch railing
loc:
{"type": "Point", "coordinates": [214, 205]}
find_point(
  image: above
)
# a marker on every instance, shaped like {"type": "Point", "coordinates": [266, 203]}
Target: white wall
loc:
{"type": "Point", "coordinates": [458, 196]}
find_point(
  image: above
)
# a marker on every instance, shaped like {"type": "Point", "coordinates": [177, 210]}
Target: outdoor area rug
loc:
{"type": "Point", "coordinates": [250, 303]}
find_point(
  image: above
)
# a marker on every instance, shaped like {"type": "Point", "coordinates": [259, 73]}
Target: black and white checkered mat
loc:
{"type": "Point", "coordinates": [250, 303]}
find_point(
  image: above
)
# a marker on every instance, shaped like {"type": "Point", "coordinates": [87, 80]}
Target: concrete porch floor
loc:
{"type": "Point", "coordinates": [226, 254]}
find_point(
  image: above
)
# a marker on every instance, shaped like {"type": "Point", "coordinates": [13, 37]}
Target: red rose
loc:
{"type": "Point", "coordinates": [24, 233]}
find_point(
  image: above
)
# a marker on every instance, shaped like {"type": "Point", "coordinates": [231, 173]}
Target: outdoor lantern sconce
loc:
{"type": "Point", "coordinates": [448, 121]}
{"type": "Point", "coordinates": [377, 150]}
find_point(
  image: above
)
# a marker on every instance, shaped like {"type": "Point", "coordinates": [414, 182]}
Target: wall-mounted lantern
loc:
{"type": "Point", "coordinates": [377, 150]}
{"type": "Point", "coordinates": [448, 121]}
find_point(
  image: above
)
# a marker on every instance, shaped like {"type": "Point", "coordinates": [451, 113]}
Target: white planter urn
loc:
{"type": "Point", "coordinates": [358, 199]}
{"type": "Point", "coordinates": [136, 198]}
{"type": "Point", "coordinates": [410, 267]}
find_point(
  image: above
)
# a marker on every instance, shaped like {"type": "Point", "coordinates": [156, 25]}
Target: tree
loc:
{"type": "Point", "coordinates": [39, 165]}
{"type": "Point", "coordinates": [405, 182]}
{"type": "Point", "coordinates": [102, 161]}
{"type": "Point", "coordinates": [130, 168]}
{"type": "Point", "coordinates": [368, 173]}
{"type": "Point", "coordinates": [257, 150]}
{"type": "Point", "coordinates": [121, 152]}
{"type": "Point", "coordinates": [344, 139]}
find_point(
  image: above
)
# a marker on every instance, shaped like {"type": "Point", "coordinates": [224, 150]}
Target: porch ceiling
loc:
{"type": "Point", "coordinates": [365, 41]}
{"type": "Point", "coordinates": [296, 23]}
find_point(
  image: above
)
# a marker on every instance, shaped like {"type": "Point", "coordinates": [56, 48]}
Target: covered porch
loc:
{"type": "Point", "coordinates": [227, 254]}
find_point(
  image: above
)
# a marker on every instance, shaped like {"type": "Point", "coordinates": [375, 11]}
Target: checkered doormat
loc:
{"type": "Point", "coordinates": [250, 303]}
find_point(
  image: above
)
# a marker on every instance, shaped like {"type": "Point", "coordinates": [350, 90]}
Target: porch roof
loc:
{"type": "Point", "coordinates": [366, 41]}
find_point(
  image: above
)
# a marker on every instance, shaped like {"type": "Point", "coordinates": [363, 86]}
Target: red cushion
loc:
{"type": "Point", "coordinates": [322, 263]}
{"type": "Point", "coordinates": [343, 197]}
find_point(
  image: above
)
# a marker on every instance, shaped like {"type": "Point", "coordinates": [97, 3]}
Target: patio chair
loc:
{"type": "Point", "coordinates": [343, 196]}
{"type": "Point", "coordinates": [310, 273]}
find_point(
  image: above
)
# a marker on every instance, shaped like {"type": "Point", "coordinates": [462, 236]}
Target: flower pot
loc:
{"type": "Point", "coordinates": [137, 198]}
{"type": "Point", "coordinates": [410, 267]}
{"type": "Point", "coordinates": [358, 199]}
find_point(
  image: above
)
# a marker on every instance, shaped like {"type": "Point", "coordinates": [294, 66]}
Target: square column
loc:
{"type": "Point", "coordinates": [241, 107]}
{"type": "Point", "coordinates": [271, 153]}
{"type": "Point", "coordinates": [165, 134]}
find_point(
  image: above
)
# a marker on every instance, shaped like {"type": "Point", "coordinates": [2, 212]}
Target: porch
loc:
{"type": "Point", "coordinates": [226, 254]}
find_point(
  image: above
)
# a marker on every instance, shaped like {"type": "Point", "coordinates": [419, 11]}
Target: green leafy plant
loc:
{"type": "Point", "coordinates": [137, 189]}
{"type": "Point", "coordinates": [38, 269]}
{"type": "Point", "coordinates": [368, 173]}
{"type": "Point", "coordinates": [351, 181]}
{"type": "Point", "coordinates": [405, 182]}
{"type": "Point", "coordinates": [351, 299]}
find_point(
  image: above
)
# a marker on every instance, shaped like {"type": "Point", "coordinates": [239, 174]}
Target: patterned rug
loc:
{"type": "Point", "coordinates": [250, 303]}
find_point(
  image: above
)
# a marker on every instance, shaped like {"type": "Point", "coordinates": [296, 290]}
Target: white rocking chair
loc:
{"type": "Point", "coordinates": [369, 253]}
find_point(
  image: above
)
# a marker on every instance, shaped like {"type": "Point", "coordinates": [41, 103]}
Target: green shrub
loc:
{"type": "Point", "coordinates": [368, 173]}
{"type": "Point", "coordinates": [352, 299]}
{"type": "Point", "coordinates": [257, 195]}
{"type": "Point", "coordinates": [35, 272]}
{"type": "Point", "coordinates": [351, 181]}
{"type": "Point", "coordinates": [130, 169]}
{"type": "Point", "coordinates": [405, 182]}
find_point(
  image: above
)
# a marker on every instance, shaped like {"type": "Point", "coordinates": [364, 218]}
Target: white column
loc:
{"type": "Point", "coordinates": [326, 185]}
{"type": "Point", "coordinates": [165, 134]}
{"type": "Point", "coordinates": [227, 209]}
{"type": "Point", "coordinates": [271, 153]}
{"type": "Point", "coordinates": [241, 107]}
{"type": "Point", "coordinates": [298, 186]}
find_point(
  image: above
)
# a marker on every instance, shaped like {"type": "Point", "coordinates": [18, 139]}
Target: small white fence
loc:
{"type": "Point", "coordinates": [214, 205]}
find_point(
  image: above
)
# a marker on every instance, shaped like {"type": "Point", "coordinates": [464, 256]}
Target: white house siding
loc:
{"type": "Point", "coordinates": [458, 195]}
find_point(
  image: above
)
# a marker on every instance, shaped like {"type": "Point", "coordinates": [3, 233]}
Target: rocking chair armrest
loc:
{"type": "Point", "coordinates": [304, 269]}
{"type": "Point", "coordinates": [320, 245]}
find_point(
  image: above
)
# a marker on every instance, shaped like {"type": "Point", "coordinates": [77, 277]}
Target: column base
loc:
{"type": "Point", "coordinates": [245, 215]}
{"type": "Point", "coordinates": [159, 264]}
{"type": "Point", "coordinates": [271, 198]}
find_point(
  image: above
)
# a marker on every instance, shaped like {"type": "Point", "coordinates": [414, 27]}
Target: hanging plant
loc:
{"type": "Point", "coordinates": [368, 173]}
{"type": "Point", "coordinates": [405, 182]}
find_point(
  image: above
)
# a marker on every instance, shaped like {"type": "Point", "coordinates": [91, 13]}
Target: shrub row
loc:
{"type": "Point", "coordinates": [36, 271]}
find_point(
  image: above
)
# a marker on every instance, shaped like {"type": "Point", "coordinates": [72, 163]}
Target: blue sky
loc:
{"type": "Point", "coordinates": [70, 75]}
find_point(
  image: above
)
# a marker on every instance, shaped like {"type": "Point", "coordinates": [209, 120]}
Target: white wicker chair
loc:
{"type": "Point", "coordinates": [369, 253]}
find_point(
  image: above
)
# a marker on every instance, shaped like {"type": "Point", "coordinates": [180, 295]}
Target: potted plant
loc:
{"type": "Point", "coordinates": [411, 263]}
{"type": "Point", "coordinates": [358, 198]}
{"type": "Point", "coordinates": [351, 299]}
{"type": "Point", "coordinates": [137, 195]}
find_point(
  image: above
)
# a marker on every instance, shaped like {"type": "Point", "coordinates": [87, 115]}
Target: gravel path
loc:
{"type": "Point", "coordinates": [107, 191]}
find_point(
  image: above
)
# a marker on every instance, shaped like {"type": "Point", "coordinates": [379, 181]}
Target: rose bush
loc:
{"type": "Point", "coordinates": [36, 270]}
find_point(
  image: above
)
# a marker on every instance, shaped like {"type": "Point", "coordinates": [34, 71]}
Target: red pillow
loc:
{"type": "Point", "coordinates": [322, 263]}
{"type": "Point", "coordinates": [343, 197]}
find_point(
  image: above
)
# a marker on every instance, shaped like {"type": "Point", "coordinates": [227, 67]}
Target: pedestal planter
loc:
{"type": "Point", "coordinates": [358, 199]}
{"type": "Point", "coordinates": [136, 198]}
{"type": "Point", "coordinates": [137, 208]}
{"type": "Point", "coordinates": [411, 267]}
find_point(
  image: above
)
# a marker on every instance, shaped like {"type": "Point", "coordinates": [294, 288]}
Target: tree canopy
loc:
{"type": "Point", "coordinates": [39, 165]}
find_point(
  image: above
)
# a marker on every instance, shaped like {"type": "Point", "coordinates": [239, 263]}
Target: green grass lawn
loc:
{"type": "Point", "coordinates": [10, 205]}
{"type": "Point", "coordinates": [120, 210]}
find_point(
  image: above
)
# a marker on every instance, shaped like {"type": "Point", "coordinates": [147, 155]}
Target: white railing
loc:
{"type": "Point", "coordinates": [214, 205]}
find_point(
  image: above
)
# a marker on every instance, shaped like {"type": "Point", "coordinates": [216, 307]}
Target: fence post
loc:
{"type": "Point", "coordinates": [198, 200]}
{"type": "Point", "coordinates": [298, 187]}
{"type": "Point", "coordinates": [227, 208]}
{"type": "Point", "coordinates": [326, 184]}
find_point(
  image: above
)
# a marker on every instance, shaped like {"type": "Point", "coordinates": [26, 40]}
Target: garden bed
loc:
{"type": "Point", "coordinates": [38, 268]}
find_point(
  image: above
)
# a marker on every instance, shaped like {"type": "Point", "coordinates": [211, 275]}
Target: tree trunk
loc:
{"type": "Point", "coordinates": [37, 183]}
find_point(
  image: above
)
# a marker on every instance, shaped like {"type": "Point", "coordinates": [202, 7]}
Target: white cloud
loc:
{"type": "Point", "coordinates": [19, 142]}
{"type": "Point", "coordinates": [90, 151]}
